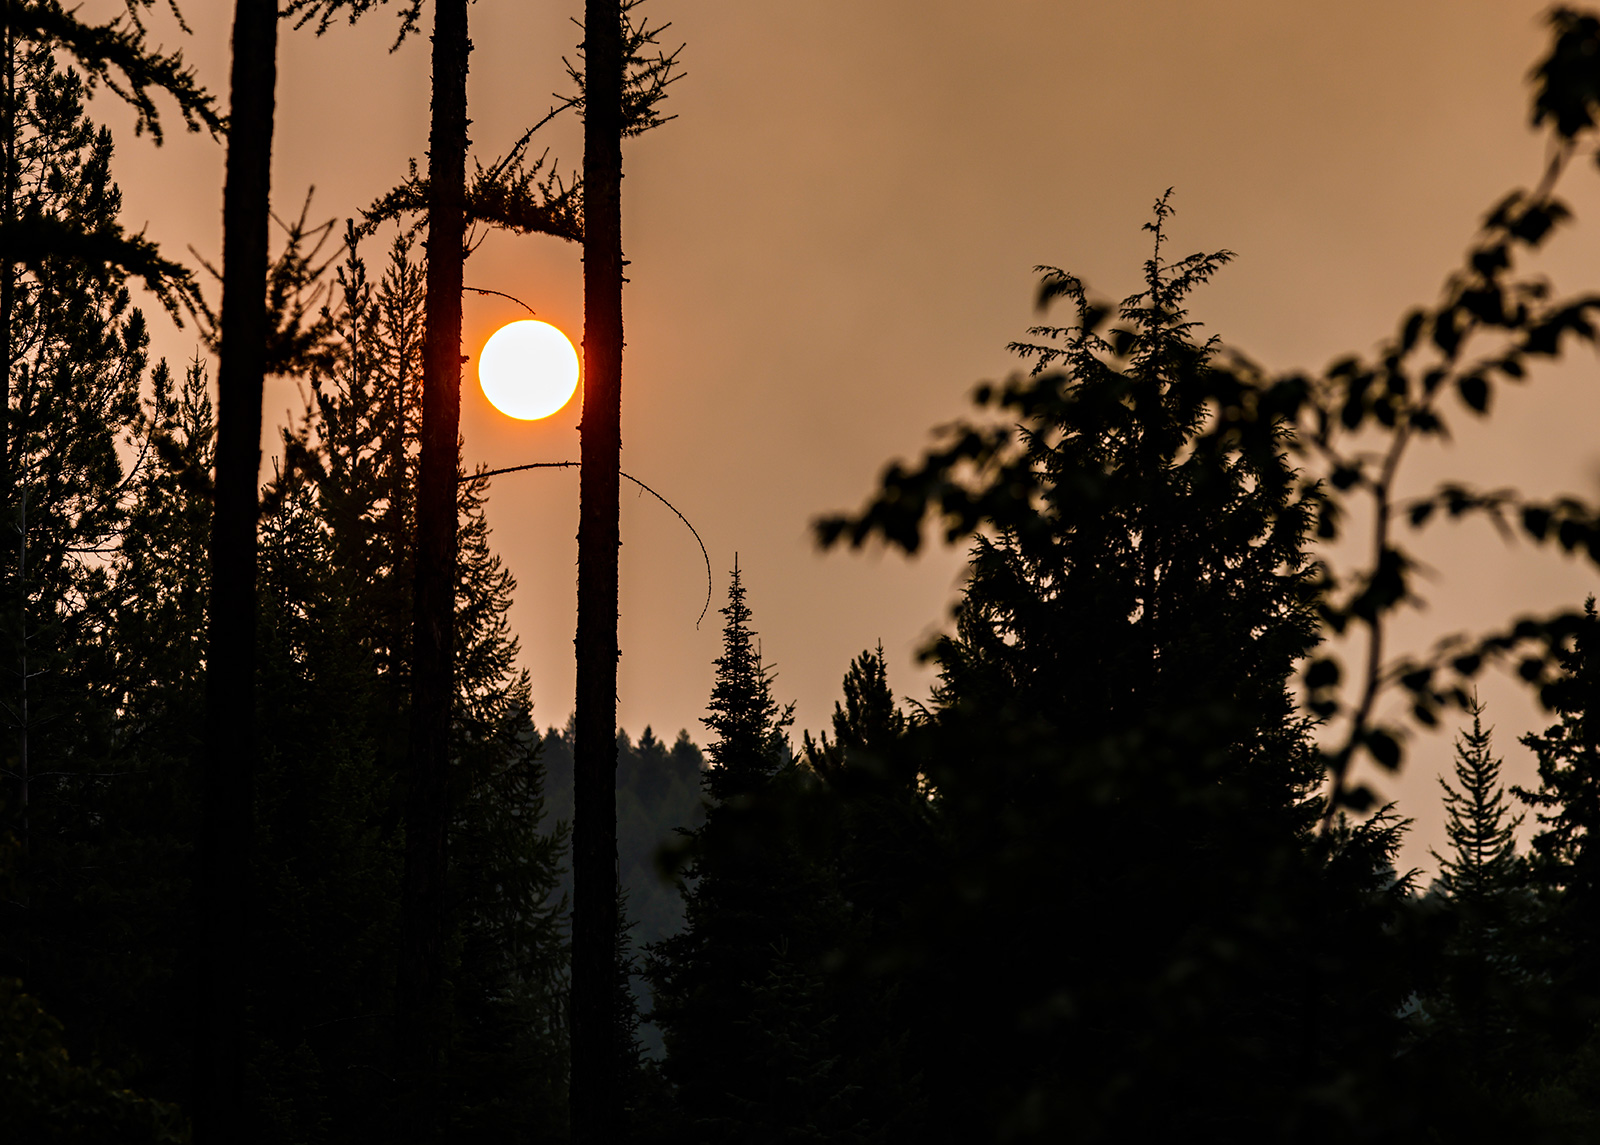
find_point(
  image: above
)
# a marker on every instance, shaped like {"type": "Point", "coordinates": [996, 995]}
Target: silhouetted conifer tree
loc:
{"type": "Point", "coordinates": [751, 744]}
{"type": "Point", "coordinates": [595, 923]}
{"type": "Point", "coordinates": [1482, 861]}
{"type": "Point", "coordinates": [866, 722]}
{"type": "Point", "coordinates": [619, 90]}
{"type": "Point", "coordinates": [81, 449]}
{"type": "Point", "coordinates": [1113, 735]}
{"type": "Point", "coordinates": [77, 356]}
{"type": "Point", "coordinates": [752, 1029]}
{"type": "Point", "coordinates": [1470, 1020]}
{"type": "Point", "coordinates": [1564, 867]}
{"type": "Point", "coordinates": [502, 1020]}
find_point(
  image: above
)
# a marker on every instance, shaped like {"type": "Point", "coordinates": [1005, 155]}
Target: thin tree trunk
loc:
{"type": "Point", "coordinates": [8, 214]}
{"type": "Point", "coordinates": [422, 895]}
{"type": "Point", "coordinates": [595, 1085]}
{"type": "Point", "coordinates": [223, 878]}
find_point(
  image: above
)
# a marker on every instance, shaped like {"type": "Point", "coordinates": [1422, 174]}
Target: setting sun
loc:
{"type": "Point", "coordinates": [528, 369]}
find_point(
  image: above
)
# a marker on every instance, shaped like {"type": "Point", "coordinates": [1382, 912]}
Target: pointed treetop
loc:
{"type": "Point", "coordinates": [1483, 850]}
{"type": "Point", "coordinates": [750, 745]}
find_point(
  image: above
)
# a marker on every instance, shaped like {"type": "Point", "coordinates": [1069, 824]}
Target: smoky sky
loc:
{"type": "Point", "coordinates": [835, 240]}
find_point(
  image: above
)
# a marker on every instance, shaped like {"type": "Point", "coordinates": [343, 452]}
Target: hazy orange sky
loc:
{"type": "Point", "coordinates": [835, 239]}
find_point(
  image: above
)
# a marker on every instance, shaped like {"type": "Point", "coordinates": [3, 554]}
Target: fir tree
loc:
{"type": "Point", "coordinates": [1113, 734]}
{"type": "Point", "coordinates": [1472, 1017]}
{"type": "Point", "coordinates": [1483, 857]}
{"type": "Point", "coordinates": [866, 722]}
{"type": "Point", "coordinates": [749, 745]}
{"type": "Point", "coordinates": [80, 447]}
{"type": "Point", "coordinates": [1563, 862]}
{"type": "Point", "coordinates": [746, 1063]}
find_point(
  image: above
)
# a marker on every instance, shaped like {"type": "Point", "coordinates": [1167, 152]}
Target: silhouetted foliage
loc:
{"type": "Point", "coordinates": [1472, 1017]}
{"type": "Point", "coordinates": [343, 636]}
{"type": "Point", "coordinates": [1113, 733]}
{"type": "Point", "coordinates": [77, 449]}
{"type": "Point", "coordinates": [1105, 885]}
{"type": "Point", "coordinates": [1483, 853]}
{"type": "Point", "coordinates": [740, 996]}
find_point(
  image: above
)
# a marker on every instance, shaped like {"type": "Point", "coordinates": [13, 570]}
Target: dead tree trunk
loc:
{"type": "Point", "coordinates": [422, 901]}
{"type": "Point", "coordinates": [595, 1089]}
{"type": "Point", "coordinates": [223, 878]}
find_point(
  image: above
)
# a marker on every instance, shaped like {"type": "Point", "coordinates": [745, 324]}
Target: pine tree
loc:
{"type": "Point", "coordinates": [619, 90]}
{"type": "Point", "coordinates": [595, 924]}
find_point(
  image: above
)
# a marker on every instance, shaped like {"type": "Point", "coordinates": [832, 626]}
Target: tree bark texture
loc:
{"type": "Point", "coordinates": [422, 895]}
{"type": "Point", "coordinates": [595, 1088]}
{"type": "Point", "coordinates": [223, 878]}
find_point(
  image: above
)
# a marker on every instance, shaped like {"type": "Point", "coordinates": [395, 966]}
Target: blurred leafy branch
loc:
{"type": "Point", "coordinates": [1349, 429]}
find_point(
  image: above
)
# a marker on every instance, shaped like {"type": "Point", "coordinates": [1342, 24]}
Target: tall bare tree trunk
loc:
{"type": "Point", "coordinates": [223, 877]}
{"type": "Point", "coordinates": [422, 895]}
{"type": "Point", "coordinates": [8, 216]}
{"type": "Point", "coordinates": [8, 485]}
{"type": "Point", "coordinates": [595, 1060]}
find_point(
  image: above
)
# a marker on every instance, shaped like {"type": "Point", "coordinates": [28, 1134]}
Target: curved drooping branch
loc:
{"type": "Point", "coordinates": [626, 477]}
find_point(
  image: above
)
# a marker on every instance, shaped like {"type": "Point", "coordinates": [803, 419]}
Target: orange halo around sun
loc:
{"type": "Point", "coordinates": [528, 369]}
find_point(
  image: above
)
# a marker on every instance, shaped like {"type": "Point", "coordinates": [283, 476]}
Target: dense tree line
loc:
{"type": "Point", "coordinates": [105, 649]}
{"type": "Point", "coordinates": [1112, 881]}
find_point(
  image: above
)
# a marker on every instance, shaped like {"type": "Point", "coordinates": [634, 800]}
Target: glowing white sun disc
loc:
{"type": "Point", "coordinates": [528, 369]}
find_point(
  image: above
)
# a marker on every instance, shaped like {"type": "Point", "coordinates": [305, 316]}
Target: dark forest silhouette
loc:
{"type": "Point", "coordinates": [284, 857]}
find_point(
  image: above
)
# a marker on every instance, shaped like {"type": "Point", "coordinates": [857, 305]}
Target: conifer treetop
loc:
{"type": "Point", "coordinates": [1483, 849]}
{"type": "Point", "coordinates": [750, 745]}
